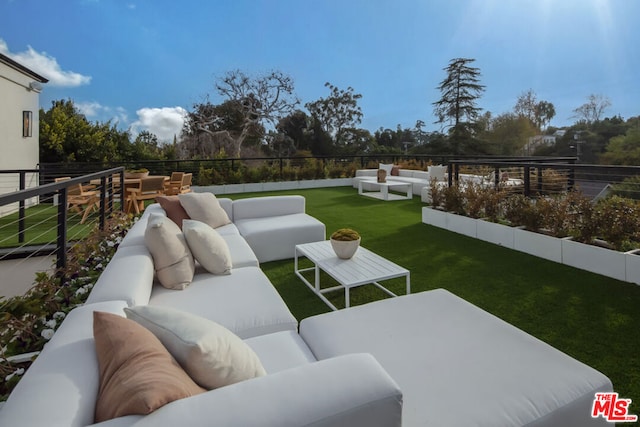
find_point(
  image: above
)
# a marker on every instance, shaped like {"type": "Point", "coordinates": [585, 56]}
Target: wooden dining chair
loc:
{"type": "Point", "coordinates": [174, 183]}
{"type": "Point", "coordinates": [149, 188]}
{"type": "Point", "coordinates": [80, 200]}
{"type": "Point", "coordinates": [180, 187]}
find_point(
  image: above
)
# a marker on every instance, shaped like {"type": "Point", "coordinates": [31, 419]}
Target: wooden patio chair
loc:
{"type": "Point", "coordinates": [81, 200]}
{"type": "Point", "coordinates": [149, 188]}
{"type": "Point", "coordinates": [181, 187]}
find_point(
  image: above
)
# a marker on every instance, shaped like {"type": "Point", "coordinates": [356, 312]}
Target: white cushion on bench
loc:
{"type": "Point", "coordinates": [436, 344]}
{"type": "Point", "coordinates": [245, 302]}
{"type": "Point", "coordinates": [275, 237]}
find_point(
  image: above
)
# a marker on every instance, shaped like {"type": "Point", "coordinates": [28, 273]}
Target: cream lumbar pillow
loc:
{"type": "Point", "coordinates": [204, 207]}
{"type": "Point", "coordinates": [212, 355]}
{"type": "Point", "coordinates": [172, 259]}
{"type": "Point", "coordinates": [137, 373]}
{"type": "Point", "coordinates": [207, 246]}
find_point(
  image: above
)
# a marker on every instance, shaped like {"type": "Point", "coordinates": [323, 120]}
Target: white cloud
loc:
{"type": "Point", "coordinates": [164, 122]}
{"type": "Point", "coordinates": [96, 111]}
{"type": "Point", "coordinates": [47, 66]}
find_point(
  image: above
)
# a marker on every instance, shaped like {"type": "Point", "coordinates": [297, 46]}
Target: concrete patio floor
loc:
{"type": "Point", "coordinates": [18, 275]}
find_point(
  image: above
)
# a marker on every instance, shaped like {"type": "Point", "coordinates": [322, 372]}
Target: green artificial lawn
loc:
{"type": "Point", "coordinates": [593, 318]}
{"type": "Point", "coordinates": [41, 226]}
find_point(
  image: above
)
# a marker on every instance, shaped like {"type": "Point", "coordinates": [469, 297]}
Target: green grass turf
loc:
{"type": "Point", "coordinates": [41, 226]}
{"type": "Point", "coordinates": [593, 318]}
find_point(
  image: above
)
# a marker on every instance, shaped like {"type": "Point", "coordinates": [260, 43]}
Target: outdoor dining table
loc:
{"type": "Point", "coordinates": [128, 183]}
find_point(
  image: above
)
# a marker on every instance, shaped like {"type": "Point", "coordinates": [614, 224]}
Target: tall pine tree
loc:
{"type": "Point", "coordinates": [460, 90]}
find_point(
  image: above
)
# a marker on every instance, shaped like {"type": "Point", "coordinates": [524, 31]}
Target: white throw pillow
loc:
{"type": "Point", "coordinates": [172, 259]}
{"type": "Point", "coordinates": [437, 172]}
{"type": "Point", "coordinates": [207, 246]}
{"type": "Point", "coordinates": [211, 354]}
{"type": "Point", "coordinates": [386, 168]}
{"type": "Point", "coordinates": [204, 207]}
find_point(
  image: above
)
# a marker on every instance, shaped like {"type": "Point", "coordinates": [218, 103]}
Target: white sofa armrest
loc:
{"type": "Point", "coordinates": [227, 205]}
{"type": "Point", "coordinates": [350, 390]}
{"type": "Point", "coordinates": [259, 207]}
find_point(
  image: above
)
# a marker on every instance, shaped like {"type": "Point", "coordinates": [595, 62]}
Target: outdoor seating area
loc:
{"type": "Point", "coordinates": [446, 353]}
{"type": "Point", "coordinates": [141, 187]}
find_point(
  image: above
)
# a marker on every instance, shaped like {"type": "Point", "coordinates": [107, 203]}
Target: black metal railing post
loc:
{"type": "Point", "coordinates": [539, 180]}
{"type": "Point", "coordinates": [122, 206]}
{"type": "Point", "coordinates": [571, 179]}
{"type": "Point", "coordinates": [103, 201]}
{"type": "Point", "coordinates": [21, 210]}
{"type": "Point", "coordinates": [527, 181]}
{"type": "Point", "coordinates": [61, 246]}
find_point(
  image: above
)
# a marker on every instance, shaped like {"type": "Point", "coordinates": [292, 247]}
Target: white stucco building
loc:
{"type": "Point", "coordinates": [19, 136]}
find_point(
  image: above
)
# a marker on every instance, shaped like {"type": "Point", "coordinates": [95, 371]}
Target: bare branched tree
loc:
{"type": "Point", "coordinates": [257, 100]}
{"type": "Point", "coordinates": [591, 111]}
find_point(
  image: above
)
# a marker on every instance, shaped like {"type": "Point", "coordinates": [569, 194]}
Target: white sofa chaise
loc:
{"type": "Point", "coordinates": [458, 365]}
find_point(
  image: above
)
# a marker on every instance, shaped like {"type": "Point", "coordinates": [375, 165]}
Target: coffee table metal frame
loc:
{"type": "Point", "coordinates": [364, 268]}
{"type": "Point", "coordinates": [384, 188]}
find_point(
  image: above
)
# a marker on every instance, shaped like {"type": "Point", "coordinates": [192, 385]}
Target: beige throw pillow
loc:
{"type": "Point", "coordinates": [211, 354]}
{"type": "Point", "coordinates": [207, 246]}
{"type": "Point", "coordinates": [137, 373]}
{"type": "Point", "coordinates": [172, 259]}
{"type": "Point", "coordinates": [204, 207]}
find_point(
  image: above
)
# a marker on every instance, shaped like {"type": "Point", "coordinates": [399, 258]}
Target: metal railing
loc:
{"type": "Point", "coordinates": [566, 175]}
{"type": "Point", "coordinates": [60, 190]}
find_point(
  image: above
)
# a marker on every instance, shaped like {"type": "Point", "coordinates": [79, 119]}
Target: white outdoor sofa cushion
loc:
{"type": "Point", "coordinates": [459, 365]}
{"type": "Point", "coordinates": [245, 302]}
{"type": "Point", "coordinates": [274, 225]}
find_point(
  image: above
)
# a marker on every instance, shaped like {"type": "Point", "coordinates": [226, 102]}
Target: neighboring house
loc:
{"type": "Point", "coordinates": [538, 141]}
{"type": "Point", "coordinates": [19, 124]}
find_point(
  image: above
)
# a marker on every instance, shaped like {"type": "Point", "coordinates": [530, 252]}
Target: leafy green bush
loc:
{"type": "Point", "coordinates": [619, 221]}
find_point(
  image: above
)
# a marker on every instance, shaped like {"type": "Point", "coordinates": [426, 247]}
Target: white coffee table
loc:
{"type": "Point", "coordinates": [364, 268]}
{"type": "Point", "coordinates": [383, 189]}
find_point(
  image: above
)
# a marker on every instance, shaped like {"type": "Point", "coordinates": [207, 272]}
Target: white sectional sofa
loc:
{"type": "Point", "coordinates": [422, 359]}
{"type": "Point", "coordinates": [418, 179]}
{"type": "Point", "coordinates": [61, 387]}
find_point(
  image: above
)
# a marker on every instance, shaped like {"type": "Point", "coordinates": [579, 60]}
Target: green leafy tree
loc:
{"type": "Point", "coordinates": [67, 136]}
{"type": "Point", "coordinates": [624, 149]}
{"type": "Point", "coordinates": [337, 112]}
{"type": "Point", "coordinates": [539, 113]}
{"type": "Point", "coordinates": [146, 147]}
{"type": "Point", "coordinates": [297, 127]}
{"type": "Point", "coordinates": [508, 134]}
{"type": "Point", "coordinates": [460, 91]}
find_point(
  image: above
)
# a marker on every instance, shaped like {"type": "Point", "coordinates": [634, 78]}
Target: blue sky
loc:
{"type": "Point", "coordinates": [144, 62]}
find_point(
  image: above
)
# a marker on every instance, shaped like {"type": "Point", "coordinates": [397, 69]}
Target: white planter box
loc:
{"type": "Point", "coordinates": [633, 266]}
{"type": "Point", "coordinates": [255, 187]}
{"type": "Point", "coordinates": [607, 262]}
{"type": "Point", "coordinates": [462, 225]}
{"type": "Point", "coordinates": [599, 260]}
{"type": "Point", "coordinates": [495, 233]}
{"type": "Point", "coordinates": [434, 217]}
{"type": "Point", "coordinates": [252, 187]}
{"type": "Point", "coordinates": [540, 245]}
